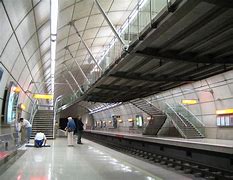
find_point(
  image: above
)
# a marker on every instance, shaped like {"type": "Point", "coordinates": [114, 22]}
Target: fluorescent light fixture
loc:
{"type": "Point", "coordinates": [53, 50]}
{"type": "Point", "coordinates": [22, 106]}
{"type": "Point", "coordinates": [189, 101]}
{"type": "Point", "coordinates": [52, 68]}
{"type": "Point", "coordinates": [130, 120]}
{"type": "Point", "coordinates": [43, 96]}
{"type": "Point", "coordinates": [53, 37]}
{"type": "Point", "coordinates": [120, 120]}
{"type": "Point", "coordinates": [54, 14]}
{"type": "Point", "coordinates": [224, 111]}
{"type": "Point", "coordinates": [104, 107]}
{"type": "Point", "coordinates": [16, 89]}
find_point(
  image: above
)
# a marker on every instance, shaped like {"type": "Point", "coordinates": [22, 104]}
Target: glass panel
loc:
{"type": "Point", "coordinates": [144, 16]}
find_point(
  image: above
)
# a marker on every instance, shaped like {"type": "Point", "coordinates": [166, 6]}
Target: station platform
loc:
{"type": "Point", "coordinates": [214, 145]}
{"type": "Point", "coordinates": [89, 161]}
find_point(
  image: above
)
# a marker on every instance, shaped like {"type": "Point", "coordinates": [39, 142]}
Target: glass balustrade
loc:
{"type": "Point", "coordinates": [190, 117]}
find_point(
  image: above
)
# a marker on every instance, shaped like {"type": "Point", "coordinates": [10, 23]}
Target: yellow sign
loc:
{"type": "Point", "coordinates": [224, 111]}
{"type": "Point", "coordinates": [189, 101]}
{"type": "Point", "coordinates": [43, 96]}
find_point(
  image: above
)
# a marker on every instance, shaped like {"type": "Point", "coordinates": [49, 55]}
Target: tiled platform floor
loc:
{"type": "Point", "coordinates": [89, 161]}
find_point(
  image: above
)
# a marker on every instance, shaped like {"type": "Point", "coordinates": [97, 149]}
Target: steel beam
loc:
{"type": "Point", "coordinates": [73, 78]}
{"type": "Point", "coordinates": [67, 48]}
{"type": "Point", "coordinates": [187, 58]}
{"type": "Point", "coordinates": [84, 43]}
{"type": "Point", "coordinates": [68, 84]}
{"type": "Point", "coordinates": [109, 23]}
{"type": "Point", "coordinates": [150, 78]}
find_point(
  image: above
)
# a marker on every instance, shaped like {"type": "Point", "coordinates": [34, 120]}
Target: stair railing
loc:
{"type": "Point", "coordinates": [175, 118]}
{"type": "Point", "coordinates": [199, 125]}
{"type": "Point", "coordinates": [59, 98]}
{"type": "Point", "coordinates": [33, 111]}
{"type": "Point", "coordinates": [157, 109]}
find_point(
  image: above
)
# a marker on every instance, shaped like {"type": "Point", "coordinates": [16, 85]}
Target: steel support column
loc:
{"type": "Point", "coordinates": [109, 23]}
{"type": "Point", "coordinates": [67, 48]}
{"type": "Point", "coordinates": [73, 77]}
{"type": "Point", "coordinates": [69, 84]}
{"type": "Point", "coordinates": [84, 43]}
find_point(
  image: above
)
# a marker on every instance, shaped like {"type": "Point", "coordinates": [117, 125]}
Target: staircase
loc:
{"type": "Point", "coordinates": [43, 122]}
{"type": "Point", "coordinates": [157, 116]}
{"type": "Point", "coordinates": [186, 128]}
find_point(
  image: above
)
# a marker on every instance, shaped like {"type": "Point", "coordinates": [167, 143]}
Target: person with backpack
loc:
{"type": "Point", "coordinates": [79, 130]}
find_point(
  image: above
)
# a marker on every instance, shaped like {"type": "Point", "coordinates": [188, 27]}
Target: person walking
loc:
{"type": "Point", "coordinates": [70, 131]}
{"type": "Point", "coordinates": [27, 125]}
{"type": "Point", "coordinates": [79, 130]}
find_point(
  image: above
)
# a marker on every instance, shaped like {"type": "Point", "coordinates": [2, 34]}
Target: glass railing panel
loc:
{"type": "Point", "coordinates": [157, 6]}
{"type": "Point", "coordinates": [190, 117]}
{"type": "Point", "coordinates": [134, 29]}
{"type": "Point", "coordinates": [177, 121]}
{"type": "Point", "coordinates": [125, 34]}
{"type": "Point", "coordinates": [144, 15]}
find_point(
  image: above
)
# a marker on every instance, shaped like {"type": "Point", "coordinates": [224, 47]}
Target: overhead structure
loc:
{"type": "Point", "coordinates": [70, 73]}
{"type": "Point", "coordinates": [68, 84]}
{"type": "Point", "coordinates": [110, 23]}
{"type": "Point", "coordinates": [67, 48]}
{"type": "Point", "coordinates": [84, 43]}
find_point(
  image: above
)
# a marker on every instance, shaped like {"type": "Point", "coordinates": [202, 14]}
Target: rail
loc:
{"type": "Point", "coordinates": [33, 111]}
{"type": "Point", "coordinates": [55, 113]}
{"type": "Point", "coordinates": [175, 118]}
{"type": "Point", "coordinates": [200, 126]}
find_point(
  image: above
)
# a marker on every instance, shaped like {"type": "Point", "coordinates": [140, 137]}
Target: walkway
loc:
{"type": "Point", "coordinates": [89, 161]}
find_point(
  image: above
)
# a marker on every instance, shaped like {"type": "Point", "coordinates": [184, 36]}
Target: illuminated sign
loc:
{"type": "Point", "coordinates": [120, 120]}
{"type": "Point", "coordinates": [11, 103]}
{"type": "Point", "coordinates": [130, 120]}
{"type": "Point", "coordinates": [43, 96]}
{"type": "Point", "coordinates": [139, 120]}
{"type": "Point", "coordinates": [189, 101]}
{"type": "Point", "coordinates": [224, 111]}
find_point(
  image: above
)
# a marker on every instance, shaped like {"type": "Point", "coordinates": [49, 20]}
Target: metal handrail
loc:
{"type": "Point", "coordinates": [192, 114]}
{"type": "Point", "coordinates": [175, 124]}
{"type": "Point", "coordinates": [55, 112]}
{"type": "Point", "coordinates": [176, 114]}
{"type": "Point", "coordinates": [33, 111]}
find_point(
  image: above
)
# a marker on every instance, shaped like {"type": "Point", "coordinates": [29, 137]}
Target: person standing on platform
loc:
{"type": "Point", "coordinates": [79, 130]}
{"type": "Point", "coordinates": [27, 125]}
{"type": "Point", "coordinates": [70, 129]}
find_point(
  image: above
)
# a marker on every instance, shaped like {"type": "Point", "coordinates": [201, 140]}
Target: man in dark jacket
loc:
{"type": "Point", "coordinates": [79, 130]}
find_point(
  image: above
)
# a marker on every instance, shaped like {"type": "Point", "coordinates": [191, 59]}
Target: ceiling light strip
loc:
{"type": "Point", "coordinates": [53, 18]}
